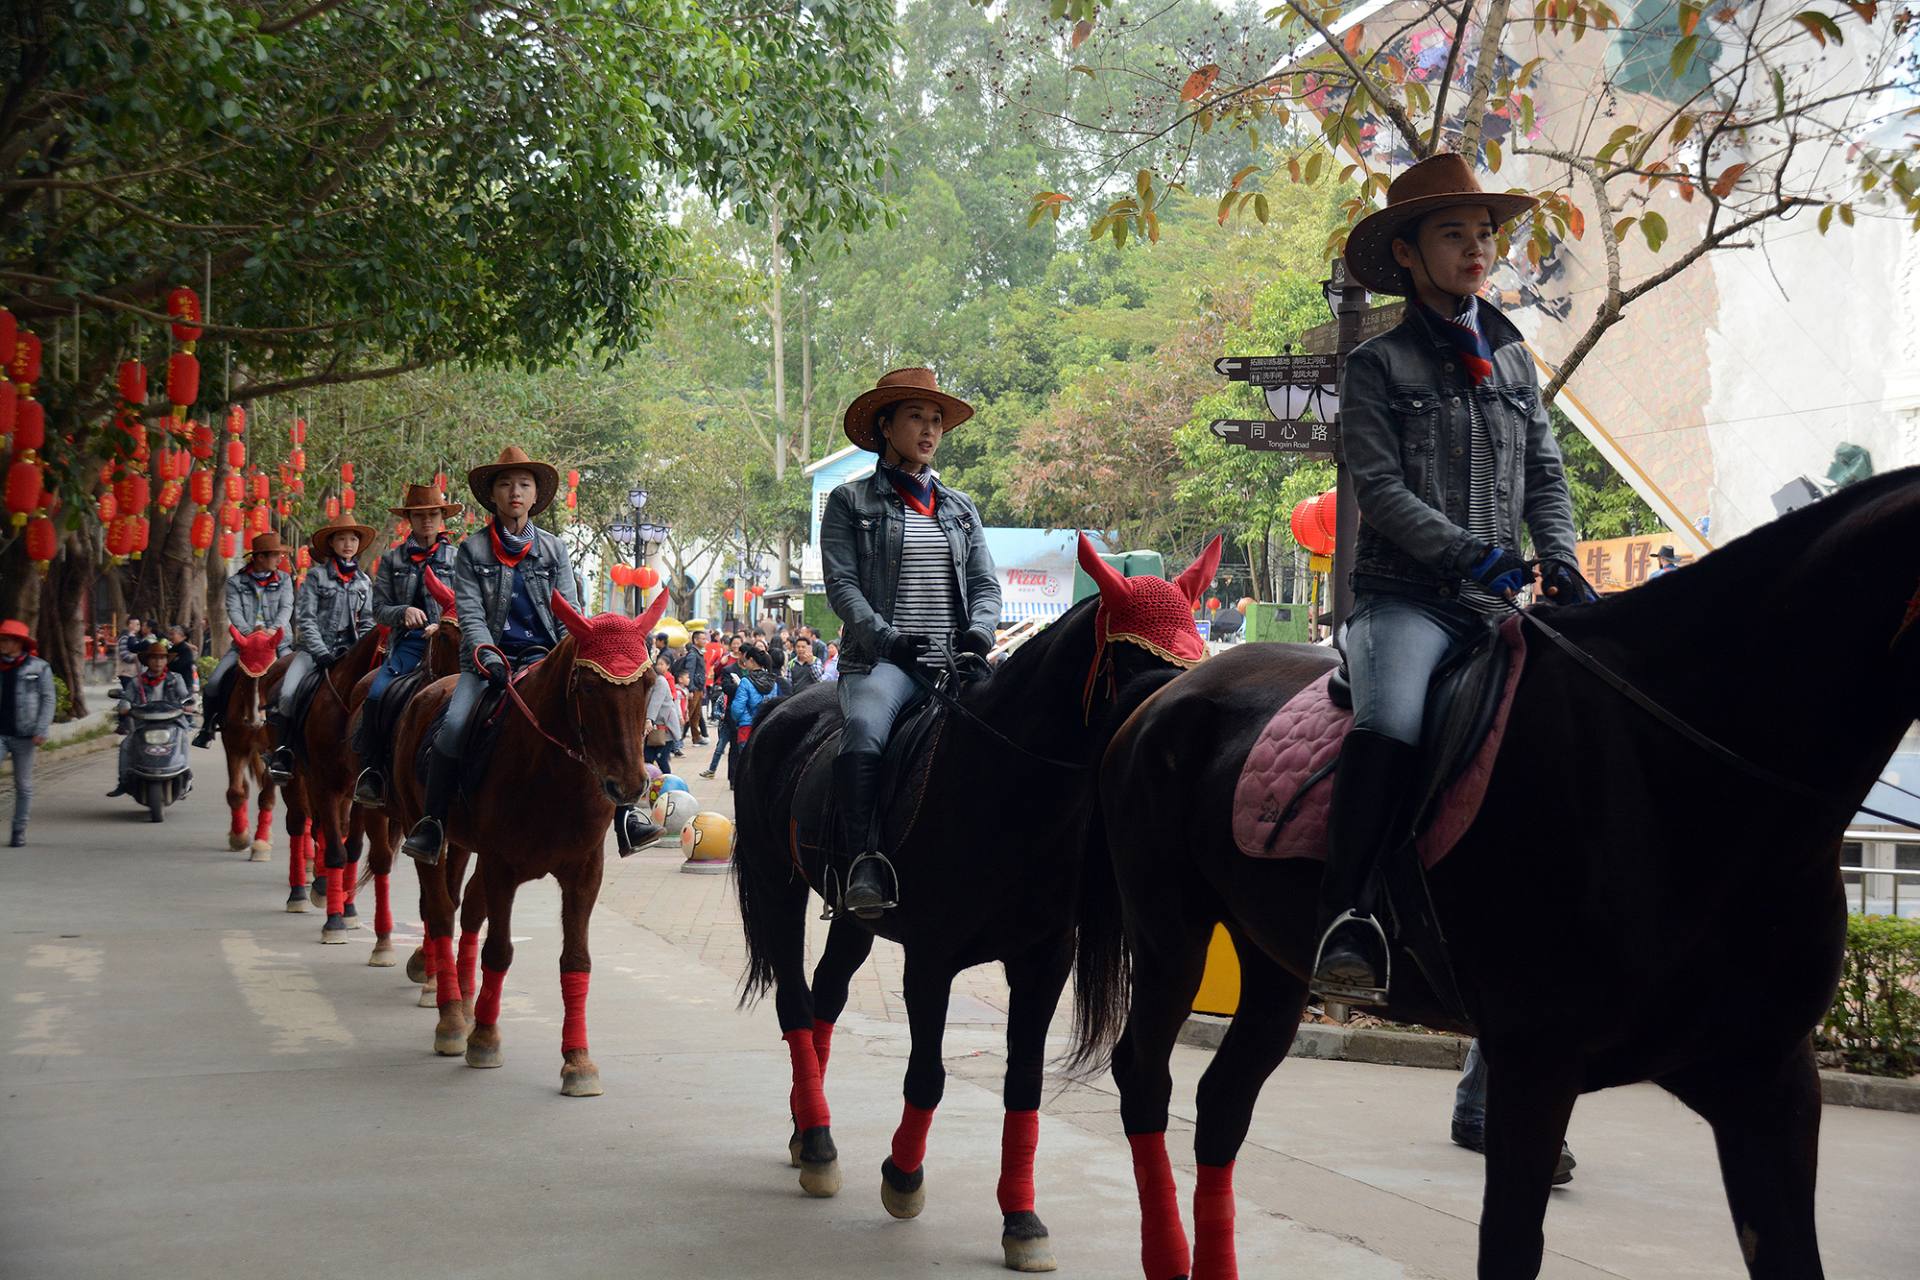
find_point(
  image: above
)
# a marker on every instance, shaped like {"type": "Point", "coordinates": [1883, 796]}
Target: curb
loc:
{"type": "Point", "coordinates": [1448, 1052]}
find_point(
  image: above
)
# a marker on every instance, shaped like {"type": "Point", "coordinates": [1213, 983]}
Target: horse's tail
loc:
{"type": "Point", "coordinates": [1100, 956]}
{"type": "Point", "coordinates": [763, 874]}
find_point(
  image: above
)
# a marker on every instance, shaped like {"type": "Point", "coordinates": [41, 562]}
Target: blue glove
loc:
{"type": "Point", "coordinates": [1501, 571]}
{"type": "Point", "coordinates": [1565, 584]}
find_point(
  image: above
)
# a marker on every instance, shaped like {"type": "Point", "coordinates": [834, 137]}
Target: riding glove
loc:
{"type": "Point", "coordinates": [495, 673]}
{"type": "Point", "coordinates": [1565, 584]}
{"type": "Point", "coordinates": [972, 642]}
{"type": "Point", "coordinates": [906, 649]}
{"type": "Point", "coordinates": [1501, 571]}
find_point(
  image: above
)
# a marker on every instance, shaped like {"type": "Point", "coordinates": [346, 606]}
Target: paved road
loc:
{"type": "Point", "coordinates": [192, 1086]}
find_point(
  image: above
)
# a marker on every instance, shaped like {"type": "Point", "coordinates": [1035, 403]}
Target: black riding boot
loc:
{"type": "Point", "coordinates": [872, 886]}
{"type": "Point", "coordinates": [429, 835]}
{"type": "Point", "coordinates": [370, 788]}
{"type": "Point", "coordinates": [1372, 811]}
{"type": "Point", "coordinates": [634, 829]}
{"type": "Point", "coordinates": [208, 729]}
{"type": "Point", "coordinates": [280, 762]}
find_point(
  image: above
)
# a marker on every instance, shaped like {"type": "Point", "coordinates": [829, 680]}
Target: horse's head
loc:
{"type": "Point", "coordinates": [1151, 613]}
{"type": "Point", "coordinates": [255, 650]}
{"type": "Point", "coordinates": [610, 655]}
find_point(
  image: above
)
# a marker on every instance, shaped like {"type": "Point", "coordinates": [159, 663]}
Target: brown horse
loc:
{"type": "Point", "coordinates": [572, 736]}
{"type": "Point", "coordinates": [243, 737]}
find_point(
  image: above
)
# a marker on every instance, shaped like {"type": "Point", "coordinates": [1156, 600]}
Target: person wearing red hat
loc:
{"type": "Point", "coordinates": [258, 598]}
{"type": "Point", "coordinates": [908, 571]}
{"type": "Point", "coordinates": [1449, 449]}
{"type": "Point", "coordinates": [26, 714]}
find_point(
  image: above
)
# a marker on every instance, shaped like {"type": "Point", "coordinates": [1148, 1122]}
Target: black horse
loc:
{"type": "Point", "coordinates": [1616, 873]}
{"type": "Point", "coordinates": [973, 891]}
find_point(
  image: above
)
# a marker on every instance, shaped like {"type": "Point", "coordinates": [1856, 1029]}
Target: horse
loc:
{"type": "Point", "coordinates": [978, 891]}
{"type": "Point", "coordinates": [321, 748]}
{"type": "Point", "coordinates": [1587, 891]}
{"type": "Point", "coordinates": [243, 738]}
{"type": "Point", "coordinates": [573, 738]}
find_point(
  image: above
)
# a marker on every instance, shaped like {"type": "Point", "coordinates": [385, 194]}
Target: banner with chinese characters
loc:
{"type": "Point", "coordinates": [1615, 564]}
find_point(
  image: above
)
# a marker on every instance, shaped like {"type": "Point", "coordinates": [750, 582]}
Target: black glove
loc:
{"type": "Point", "coordinates": [1565, 584]}
{"type": "Point", "coordinates": [906, 649]}
{"type": "Point", "coordinates": [1500, 571]}
{"type": "Point", "coordinates": [495, 672]}
{"type": "Point", "coordinates": [972, 642]}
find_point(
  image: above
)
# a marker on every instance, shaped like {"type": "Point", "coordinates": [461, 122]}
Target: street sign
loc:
{"type": "Point", "coordinates": [1314, 439]}
{"type": "Point", "coordinates": [1374, 321]}
{"type": "Point", "coordinates": [1280, 371]}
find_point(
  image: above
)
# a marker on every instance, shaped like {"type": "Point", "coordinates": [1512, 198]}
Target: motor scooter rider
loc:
{"type": "Point", "coordinates": [155, 686]}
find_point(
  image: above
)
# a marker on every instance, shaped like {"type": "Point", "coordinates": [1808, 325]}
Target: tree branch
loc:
{"type": "Point", "coordinates": [257, 391]}
{"type": "Point", "coordinates": [1393, 110]}
{"type": "Point", "coordinates": [1491, 30]}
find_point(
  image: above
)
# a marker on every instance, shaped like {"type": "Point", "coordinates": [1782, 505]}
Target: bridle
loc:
{"type": "Point", "coordinates": [577, 752]}
{"type": "Point", "coordinates": [953, 675]}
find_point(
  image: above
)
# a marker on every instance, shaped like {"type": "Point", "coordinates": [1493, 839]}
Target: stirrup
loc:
{"type": "Point", "coordinates": [887, 902]}
{"type": "Point", "coordinates": [370, 789]}
{"type": "Point", "coordinates": [631, 843]}
{"type": "Point", "coordinates": [280, 765]}
{"type": "Point", "coordinates": [425, 855]}
{"type": "Point", "coordinates": [1352, 993]}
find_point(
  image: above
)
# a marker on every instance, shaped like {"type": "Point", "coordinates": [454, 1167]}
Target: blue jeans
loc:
{"type": "Point", "coordinates": [1470, 1095]}
{"type": "Point", "coordinates": [403, 655]}
{"type": "Point", "coordinates": [21, 751]}
{"type": "Point", "coordinates": [872, 702]}
{"type": "Point", "coordinates": [290, 683]}
{"type": "Point", "coordinates": [1394, 643]}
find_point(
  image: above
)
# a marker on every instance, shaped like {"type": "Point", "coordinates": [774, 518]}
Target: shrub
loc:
{"type": "Point", "coordinates": [206, 662]}
{"type": "Point", "coordinates": [62, 701]}
{"type": "Point", "coordinates": [1874, 1024]}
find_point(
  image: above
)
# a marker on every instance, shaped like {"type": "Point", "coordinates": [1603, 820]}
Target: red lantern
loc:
{"type": "Point", "coordinates": [200, 488]}
{"type": "Point", "coordinates": [573, 500]}
{"type": "Point", "coordinates": [183, 382]}
{"type": "Point", "coordinates": [1213, 602]}
{"type": "Point", "coordinates": [226, 546]}
{"type": "Point", "coordinates": [133, 493]}
{"type": "Point", "coordinates": [647, 577]}
{"type": "Point", "coordinates": [333, 508]}
{"type": "Point", "coordinates": [1312, 523]}
{"type": "Point", "coordinates": [282, 508]}
{"type": "Point", "coordinates": [42, 541]}
{"type": "Point", "coordinates": [756, 592]}
{"type": "Point", "coordinates": [24, 368]}
{"type": "Point", "coordinates": [236, 420]}
{"type": "Point", "coordinates": [230, 516]}
{"type": "Point", "coordinates": [29, 426]}
{"type": "Point", "coordinates": [183, 305]}
{"type": "Point", "coordinates": [120, 537]}
{"type": "Point", "coordinates": [169, 495]}
{"type": "Point", "coordinates": [234, 487]}
{"type": "Point", "coordinates": [346, 498]}
{"type": "Point", "coordinates": [298, 460]}
{"type": "Point", "coordinates": [202, 446]}
{"type": "Point", "coordinates": [236, 454]}
{"type": "Point", "coordinates": [299, 486]}
{"type": "Point", "coordinates": [106, 506]}
{"type": "Point", "coordinates": [440, 481]}
{"type": "Point", "coordinates": [260, 521]}
{"type": "Point", "coordinates": [142, 531]}
{"type": "Point", "coordinates": [202, 534]}
{"type": "Point", "coordinates": [573, 479]}
{"type": "Point", "coordinates": [346, 473]}
{"type": "Point", "coordinates": [727, 595]}
{"type": "Point", "coordinates": [619, 575]}
{"type": "Point", "coordinates": [133, 382]}
{"type": "Point", "coordinates": [299, 432]}
{"type": "Point", "coordinates": [260, 486]}
{"type": "Point", "coordinates": [305, 559]}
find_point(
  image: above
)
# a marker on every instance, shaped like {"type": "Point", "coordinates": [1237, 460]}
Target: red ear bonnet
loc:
{"type": "Point", "coordinates": [1147, 611]}
{"type": "Point", "coordinates": [255, 650]}
{"type": "Point", "coordinates": [612, 646]}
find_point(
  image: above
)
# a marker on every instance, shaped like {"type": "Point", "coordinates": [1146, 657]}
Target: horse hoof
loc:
{"type": "Point", "coordinates": [903, 1195]}
{"type": "Point", "coordinates": [1024, 1241]}
{"type": "Point", "coordinates": [352, 916]}
{"type": "Point", "coordinates": [450, 1033]}
{"type": "Point", "coordinates": [236, 842]}
{"type": "Point", "coordinates": [483, 1048]}
{"type": "Point", "coordinates": [793, 1150]}
{"type": "Point", "coordinates": [317, 894]}
{"type": "Point", "coordinates": [297, 900]}
{"type": "Point", "coordinates": [334, 931]}
{"type": "Point", "coordinates": [428, 998]}
{"type": "Point", "coordinates": [821, 1180]}
{"type": "Point", "coordinates": [581, 1081]}
{"type": "Point", "coordinates": [417, 965]}
{"type": "Point", "coordinates": [261, 853]}
{"type": "Point", "coordinates": [382, 957]}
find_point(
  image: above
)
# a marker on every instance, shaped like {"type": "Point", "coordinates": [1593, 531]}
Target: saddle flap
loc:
{"type": "Point", "coordinates": [905, 767]}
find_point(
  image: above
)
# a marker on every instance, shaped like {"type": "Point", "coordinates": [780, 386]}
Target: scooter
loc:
{"type": "Point", "coordinates": [153, 765]}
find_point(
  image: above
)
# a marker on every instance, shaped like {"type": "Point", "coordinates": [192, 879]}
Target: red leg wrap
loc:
{"type": "Point", "coordinates": [573, 996]}
{"type": "Point", "coordinates": [262, 830]}
{"type": "Point", "coordinates": [336, 892]}
{"type": "Point", "coordinates": [469, 961]}
{"type": "Point", "coordinates": [1163, 1240]}
{"type": "Point", "coordinates": [1213, 1257]}
{"type": "Point", "coordinates": [910, 1139]}
{"type": "Point", "coordinates": [486, 1009]}
{"type": "Point", "coordinates": [808, 1100]}
{"type": "Point", "coordinates": [240, 819]}
{"type": "Point", "coordinates": [382, 907]}
{"type": "Point", "coordinates": [350, 880]}
{"type": "Point", "coordinates": [822, 1046]}
{"type": "Point", "coordinates": [296, 862]}
{"type": "Point", "coordinates": [445, 976]}
{"type": "Point", "coordinates": [1019, 1139]}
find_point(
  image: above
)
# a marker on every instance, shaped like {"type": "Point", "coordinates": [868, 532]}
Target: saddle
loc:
{"type": "Point", "coordinates": [483, 730]}
{"type": "Point", "coordinates": [905, 767]}
{"type": "Point", "coordinates": [303, 703]}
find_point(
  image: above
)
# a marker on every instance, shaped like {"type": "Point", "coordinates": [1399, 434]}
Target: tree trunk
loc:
{"type": "Point", "coordinates": [62, 626]}
{"type": "Point", "coordinates": [782, 443]}
{"type": "Point", "coordinates": [806, 377]}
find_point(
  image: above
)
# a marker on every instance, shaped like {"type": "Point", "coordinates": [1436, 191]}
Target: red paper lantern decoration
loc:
{"type": "Point", "coordinates": [299, 486]}
{"type": "Point", "coordinates": [305, 559]}
{"type": "Point", "coordinates": [234, 487]}
{"type": "Point", "coordinates": [183, 305]}
{"type": "Point", "coordinates": [142, 531]}
{"type": "Point", "coordinates": [236, 420]}
{"type": "Point", "coordinates": [183, 382]}
{"type": "Point", "coordinates": [169, 495]}
{"type": "Point", "coordinates": [29, 425]}
{"type": "Point", "coordinates": [440, 481]}
{"type": "Point", "coordinates": [298, 461]}
{"type": "Point", "coordinates": [647, 577]}
{"type": "Point", "coordinates": [573, 500]}
{"type": "Point", "coordinates": [333, 508]}
{"type": "Point", "coordinates": [727, 595]}
{"type": "Point", "coordinates": [201, 535]}
{"type": "Point", "coordinates": [133, 382]}
{"type": "Point", "coordinates": [9, 331]}
{"type": "Point", "coordinates": [226, 545]}
{"type": "Point", "coordinates": [299, 432]}
{"type": "Point", "coordinates": [120, 537]}
{"type": "Point", "coordinates": [23, 489]}
{"type": "Point", "coordinates": [260, 521]}
{"type": "Point", "coordinates": [200, 488]}
{"type": "Point", "coordinates": [42, 541]}
{"type": "Point", "coordinates": [346, 498]}
{"type": "Point", "coordinates": [230, 516]}
{"type": "Point", "coordinates": [619, 575]}
{"type": "Point", "coordinates": [236, 454]}
{"type": "Point", "coordinates": [106, 506]}
{"type": "Point", "coordinates": [1312, 523]}
{"type": "Point", "coordinates": [1213, 602]}
{"type": "Point", "coordinates": [756, 592]}
{"type": "Point", "coordinates": [24, 367]}
{"type": "Point", "coordinates": [573, 479]}
{"type": "Point", "coordinates": [261, 486]}
{"type": "Point", "coordinates": [346, 473]}
{"type": "Point", "coordinates": [202, 446]}
{"type": "Point", "coordinates": [132, 492]}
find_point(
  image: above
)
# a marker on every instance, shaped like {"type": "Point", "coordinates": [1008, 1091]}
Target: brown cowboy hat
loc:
{"type": "Point", "coordinates": [1438, 182]}
{"type": "Point", "coordinates": [513, 458]}
{"type": "Point", "coordinates": [158, 649]}
{"type": "Point", "coordinates": [267, 544]}
{"type": "Point", "coordinates": [901, 384]}
{"type": "Point", "coordinates": [322, 540]}
{"type": "Point", "coordinates": [18, 630]}
{"type": "Point", "coordinates": [424, 497]}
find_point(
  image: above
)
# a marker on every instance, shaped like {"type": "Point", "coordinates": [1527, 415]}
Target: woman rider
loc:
{"type": "Point", "coordinates": [258, 598]}
{"type": "Point", "coordinates": [402, 604]}
{"type": "Point", "coordinates": [908, 573]}
{"type": "Point", "coordinates": [503, 580]}
{"type": "Point", "coordinates": [1449, 448]}
{"type": "Point", "coordinates": [333, 610]}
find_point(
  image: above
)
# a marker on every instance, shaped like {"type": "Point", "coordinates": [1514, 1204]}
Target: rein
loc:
{"type": "Point", "coordinates": [961, 709]}
{"type": "Point", "coordinates": [1724, 754]}
{"type": "Point", "coordinates": [576, 754]}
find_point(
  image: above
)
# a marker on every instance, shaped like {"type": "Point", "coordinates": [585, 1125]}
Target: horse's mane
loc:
{"type": "Point", "coordinates": [1751, 563]}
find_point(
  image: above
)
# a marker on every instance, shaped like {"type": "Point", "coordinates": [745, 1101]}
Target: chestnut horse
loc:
{"type": "Point", "coordinates": [976, 887]}
{"type": "Point", "coordinates": [568, 749]}
{"type": "Point", "coordinates": [243, 737]}
{"type": "Point", "coordinates": [1574, 912]}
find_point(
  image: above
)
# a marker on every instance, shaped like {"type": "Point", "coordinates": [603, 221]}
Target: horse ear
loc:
{"type": "Point", "coordinates": [442, 593]}
{"type": "Point", "coordinates": [1198, 576]}
{"type": "Point", "coordinates": [235, 633]}
{"type": "Point", "coordinates": [278, 634]}
{"type": "Point", "coordinates": [655, 611]}
{"type": "Point", "coordinates": [570, 618]}
{"type": "Point", "coordinates": [1104, 575]}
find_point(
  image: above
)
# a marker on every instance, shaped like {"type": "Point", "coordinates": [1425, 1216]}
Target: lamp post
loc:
{"type": "Point", "coordinates": [648, 539]}
{"type": "Point", "coordinates": [1347, 300]}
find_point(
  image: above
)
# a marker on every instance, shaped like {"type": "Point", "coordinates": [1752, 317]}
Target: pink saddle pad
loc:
{"type": "Point", "coordinates": [1305, 735]}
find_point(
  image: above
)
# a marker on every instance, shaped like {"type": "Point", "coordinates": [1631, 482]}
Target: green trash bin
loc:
{"type": "Point", "coordinates": [1131, 564]}
{"type": "Point", "coordinates": [1271, 623]}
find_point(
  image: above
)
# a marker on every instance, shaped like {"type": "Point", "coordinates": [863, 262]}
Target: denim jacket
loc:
{"type": "Point", "coordinates": [1407, 434]}
{"type": "Point", "coordinates": [397, 587]}
{"type": "Point", "coordinates": [251, 607]}
{"type": "Point", "coordinates": [483, 589]}
{"type": "Point", "coordinates": [33, 699]}
{"type": "Point", "coordinates": [862, 539]}
{"type": "Point", "coordinates": [332, 614]}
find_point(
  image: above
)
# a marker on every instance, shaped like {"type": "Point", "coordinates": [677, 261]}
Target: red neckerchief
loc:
{"type": "Point", "coordinates": [8, 664]}
{"type": "Point", "coordinates": [511, 559]}
{"type": "Point", "coordinates": [916, 491]}
{"type": "Point", "coordinates": [152, 681]}
{"type": "Point", "coordinates": [350, 573]}
{"type": "Point", "coordinates": [272, 576]}
{"type": "Point", "coordinates": [418, 556]}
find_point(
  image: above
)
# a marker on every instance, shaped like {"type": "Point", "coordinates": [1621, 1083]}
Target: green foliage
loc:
{"type": "Point", "coordinates": [1604, 505]}
{"type": "Point", "coordinates": [1874, 1024]}
{"type": "Point", "coordinates": [62, 701]}
{"type": "Point", "coordinates": [206, 662]}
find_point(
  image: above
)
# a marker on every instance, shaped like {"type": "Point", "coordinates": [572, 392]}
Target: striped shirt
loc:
{"type": "Point", "coordinates": [926, 600]}
{"type": "Point", "coordinates": [1483, 507]}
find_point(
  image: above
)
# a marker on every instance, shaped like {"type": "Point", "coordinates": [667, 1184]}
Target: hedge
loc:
{"type": "Point", "coordinates": [1874, 1024]}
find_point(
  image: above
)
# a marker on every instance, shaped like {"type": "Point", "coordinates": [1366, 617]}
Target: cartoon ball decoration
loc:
{"type": "Point", "coordinates": [708, 843]}
{"type": "Point", "coordinates": [674, 810]}
{"type": "Point", "coordinates": [673, 782]}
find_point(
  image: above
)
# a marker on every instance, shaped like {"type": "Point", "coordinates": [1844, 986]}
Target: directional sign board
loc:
{"type": "Point", "coordinates": [1373, 322]}
{"type": "Point", "coordinates": [1316, 439]}
{"type": "Point", "coordinates": [1302, 394]}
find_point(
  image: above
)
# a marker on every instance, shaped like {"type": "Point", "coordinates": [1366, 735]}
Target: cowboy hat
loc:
{"type": "Point", "coordinates": [424, 497]}
{"type": "Point", "coordinates": [158, 649]}
{"type": "Point", "coordinates": [513, 458]}
{"type": "Point", "coordinates": [266, 544]}
{"type": "Point", "coordinates": [18, 630]}
{"type": "Point", "coordinates": [322, 540]}
{"type": "Point", "coordinates": [900, 384]}
{"type": "Point", "coordinates": [1438, 182]}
